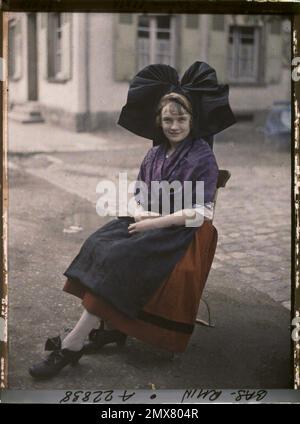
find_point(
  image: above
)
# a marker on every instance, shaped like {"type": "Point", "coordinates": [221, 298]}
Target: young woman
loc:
{"type": "Point", "coordinates": [144, 275]}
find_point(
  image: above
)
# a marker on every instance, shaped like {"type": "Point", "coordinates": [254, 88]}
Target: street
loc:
{"type": "Point", "coordinates": [53, 176]}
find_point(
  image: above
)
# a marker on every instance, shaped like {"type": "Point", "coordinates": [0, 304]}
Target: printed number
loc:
{"type": "Point", "coordinates": [76, 395]}
{"type": "Point", "coordinates": [67, 397]}
{"type": "Point", "coordinates": [86, 397]}
{"type": "Point", "coordinates": [108, 396]}
{"type": "Point", "coordinates": [173, 413]}
{"type": "Point", "coordinates": [97, 398]}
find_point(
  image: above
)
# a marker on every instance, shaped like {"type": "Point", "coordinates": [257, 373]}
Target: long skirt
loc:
{"type": "Point", "coordinates": [167, 319]}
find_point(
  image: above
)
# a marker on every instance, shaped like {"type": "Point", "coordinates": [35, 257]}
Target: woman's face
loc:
{"type": "Point", "coordinates": [176, 122]}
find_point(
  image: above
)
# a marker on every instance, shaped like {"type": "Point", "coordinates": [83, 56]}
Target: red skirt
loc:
{"type": "Point", "coordinates": [167, 320]}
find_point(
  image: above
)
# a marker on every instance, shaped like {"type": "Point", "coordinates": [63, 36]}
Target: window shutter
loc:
{"type": "Point", "coordinates": [50, 47]}
{"type": "Point", "coordinates": [191, 44]}
{"type": "Point", "coordinates": [15, 49]}
{"type": "Point", "coordinates": [11, 49]}
{"type": "Point", "coordinates": [66, 46]}
{"type": "Point", "coordinates": [43, 44]}
{"type": "Point", "coordinates": [18, 70]}
{"type": "Point", "coordinates": [218, 47]}
{"type": "Point", "coordinates": [125, 42]}
{"type": "Point", "coordinates": [273, 57]}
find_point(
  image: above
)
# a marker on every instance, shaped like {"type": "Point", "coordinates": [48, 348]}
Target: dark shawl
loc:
{"type": "Point", "coordinates": [193, 160]}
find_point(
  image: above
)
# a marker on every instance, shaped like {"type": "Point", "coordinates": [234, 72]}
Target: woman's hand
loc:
{"type": "Point", "coordinates": [145, 215]}
{"type": "Point", "coordinates": [184, 217]}
{"type": "Point", "coordinates": [178, 218]}
{"type": "Point", "coordinates": [143, 225]}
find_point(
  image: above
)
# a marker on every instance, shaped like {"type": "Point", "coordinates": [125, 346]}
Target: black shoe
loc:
{"type": "Point", "coordinates": [99, 338]}
{"type": "Point", "coordinates": [55, 362]}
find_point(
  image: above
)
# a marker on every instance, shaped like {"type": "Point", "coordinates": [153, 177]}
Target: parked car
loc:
{"type": "Point", "coordinates": [277, 129]}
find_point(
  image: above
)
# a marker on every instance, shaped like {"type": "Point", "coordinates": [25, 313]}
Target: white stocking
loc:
{"type": "Point", "coordinates": [75, 339]}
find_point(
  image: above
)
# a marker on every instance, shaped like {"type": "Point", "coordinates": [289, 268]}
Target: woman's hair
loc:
{"type": "Point", "coordinates": [181, 102]}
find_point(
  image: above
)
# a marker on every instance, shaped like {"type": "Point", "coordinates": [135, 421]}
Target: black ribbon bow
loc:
{"type": "Point", "coordinates": [211, 109]}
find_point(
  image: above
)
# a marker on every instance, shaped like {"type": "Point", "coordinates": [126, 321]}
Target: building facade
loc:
{"type": "Point", "coordinates": [73, 69]}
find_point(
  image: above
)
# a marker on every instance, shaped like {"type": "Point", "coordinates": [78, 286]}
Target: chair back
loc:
{"type": "Point", "coordinates": [223, 177]}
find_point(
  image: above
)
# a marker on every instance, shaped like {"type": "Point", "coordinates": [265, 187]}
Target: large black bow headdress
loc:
{"type": "Point", "coordinates": [209, 100]}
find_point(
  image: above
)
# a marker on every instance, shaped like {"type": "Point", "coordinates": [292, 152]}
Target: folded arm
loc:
{"type": "Point", "coordinates": [140, 214]}
{"type": "Point", "coordinates": [179, 218]}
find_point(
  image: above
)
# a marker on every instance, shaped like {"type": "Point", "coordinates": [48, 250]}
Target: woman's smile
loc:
{"type": "Point", "coordinates": [174, 136]}
{"type": "Point", "coordinates": [176, 126]}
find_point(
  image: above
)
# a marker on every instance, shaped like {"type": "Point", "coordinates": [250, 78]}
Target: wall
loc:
{"type": "Point", "coordinates": [107, 96]}
{"type": "Point", "coordinates": [217, 48]}
{"type": "Point", "coordinates": [255, 99]}
{"type": "Point", "coordinates": [193, 38]}
{"type": "Point", "coordinates": [64, 103]}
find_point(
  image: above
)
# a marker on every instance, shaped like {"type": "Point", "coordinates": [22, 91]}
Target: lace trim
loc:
{"type": "Point", "coordinates": [206, 210]}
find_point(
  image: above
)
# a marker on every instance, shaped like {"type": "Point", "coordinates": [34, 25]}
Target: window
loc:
{"type": "Point", "coordinates": [59, 46]}
{"type": "Point", "coordinates": [14, 49]}
{"type": "Point", "coordinates": [155, 40]}
{"type": "Point", "coordinates": [243, 54]}
{"type": "Point", "coordinates": [57, 43]}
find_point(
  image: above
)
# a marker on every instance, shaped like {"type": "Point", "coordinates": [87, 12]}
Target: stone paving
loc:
{"type": "Point", "coordinates": [253, 219]}
{"type": "Point", "coordinates": [252, 213]}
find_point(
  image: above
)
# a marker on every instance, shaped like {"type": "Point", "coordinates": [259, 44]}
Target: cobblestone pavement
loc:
{"type": "Point", "coordinates": [252, 214]}
{"type": "Point", "coordinates": [254, 222]}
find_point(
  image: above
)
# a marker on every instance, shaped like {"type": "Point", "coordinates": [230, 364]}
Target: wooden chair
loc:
{"type": "Point", "coordinates": [223, 177]}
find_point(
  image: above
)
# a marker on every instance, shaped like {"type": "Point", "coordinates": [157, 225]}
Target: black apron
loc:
{"type": "Point", "coordinates": [126, 269]}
